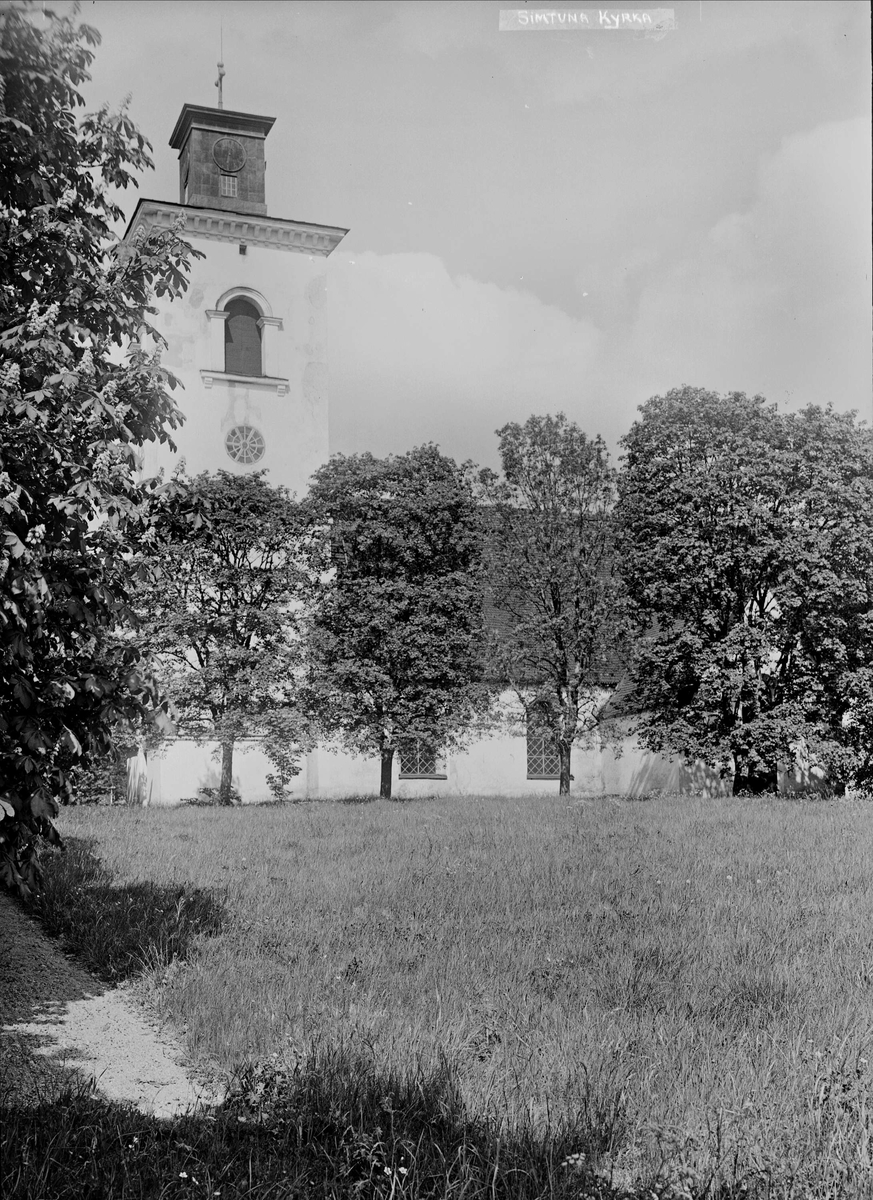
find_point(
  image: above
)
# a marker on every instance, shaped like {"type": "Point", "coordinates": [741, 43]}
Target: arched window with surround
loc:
{"type": "Point", "coordinates": [242, 338]}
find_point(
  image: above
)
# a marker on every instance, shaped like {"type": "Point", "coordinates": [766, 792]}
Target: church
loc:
{"type": "Point", "coordinates": [248, 340]}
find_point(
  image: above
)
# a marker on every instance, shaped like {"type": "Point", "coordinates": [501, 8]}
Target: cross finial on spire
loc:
{"type": "Point", "coordinates": [219, 84]}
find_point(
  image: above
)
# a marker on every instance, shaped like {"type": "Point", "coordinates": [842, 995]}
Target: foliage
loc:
{"type": "Point", "coordinates": [77, 396]}
{"type": "Point", "coordinates": [220, 617]}
{"type": "Point", "coordinates": [552, 573]}
{"type": "Point", "coordinates": [103, 780]}
{"type": "Point", "coordinates": [396, 638]}
{"type": "Point", "coordinates": [748, 551]}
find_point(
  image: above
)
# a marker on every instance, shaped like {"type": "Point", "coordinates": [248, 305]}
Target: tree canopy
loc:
{"type": "Point", "coordinates": [747, 546]}
{"type": "Point", "coordinates": [397, 636]}
{"type": "Point", "coordinates": [552, 575]}
{"type": "Point", "coordinates": [220, 617]}
{"type": "Point", "coordinates": [78, 395]}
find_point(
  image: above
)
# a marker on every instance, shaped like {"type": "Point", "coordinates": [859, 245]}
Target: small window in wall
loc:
{"type": "Point", "coordinates": [419, 759]}
{"type": "Point", "coordinates": [543, 757]}
{"type": "Point", "coordinates": [245, 444]}
{"type": "Point", "coordinates": [242, 339]}
{"type": "Point", "coordinates": [228, 185]}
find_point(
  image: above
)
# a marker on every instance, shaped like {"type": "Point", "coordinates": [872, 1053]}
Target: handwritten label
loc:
{"type": "Point", "coordinates": [652, 21]}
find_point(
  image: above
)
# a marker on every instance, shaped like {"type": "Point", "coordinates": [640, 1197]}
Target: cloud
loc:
{"type": "Point", "coordinates": [772, 298]}
{"type": "Point", "coordinates": [775, 298]}
{"type": "Point", "coordinates": [417, 355]}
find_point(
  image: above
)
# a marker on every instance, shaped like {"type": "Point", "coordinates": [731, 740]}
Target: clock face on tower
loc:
{"type": "Point", "coordinates": [229, 154]}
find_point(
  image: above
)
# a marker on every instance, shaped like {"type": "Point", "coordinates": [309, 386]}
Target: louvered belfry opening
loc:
{"type": "Point", "coordinates": [242, 339]}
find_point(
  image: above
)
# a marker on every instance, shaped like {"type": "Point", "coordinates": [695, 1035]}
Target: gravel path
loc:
{"type": "Point", "coordinates": [61, 1027]}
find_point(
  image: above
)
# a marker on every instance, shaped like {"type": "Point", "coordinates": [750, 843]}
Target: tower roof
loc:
{"type": "Point", "coordinates": [223, 120]}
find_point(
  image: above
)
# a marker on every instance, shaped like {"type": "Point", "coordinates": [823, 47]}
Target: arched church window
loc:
{"type": "Point", "coordinates": [242, 339]}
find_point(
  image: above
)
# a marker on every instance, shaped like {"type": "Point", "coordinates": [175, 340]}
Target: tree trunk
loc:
{"type": "Point", "coordinates": [564, 752]}
{"type": "Point", "coordinates": [385, 781]}
{"type": "Point", "coordinates": [225, 787]}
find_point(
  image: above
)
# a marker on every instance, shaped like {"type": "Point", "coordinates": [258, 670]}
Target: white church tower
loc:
{"type": "Point", "coordinates": [249, 338]}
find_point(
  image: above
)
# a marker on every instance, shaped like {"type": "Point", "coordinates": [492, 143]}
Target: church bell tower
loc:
{"type": "Point", "coordinates": [248, 339]}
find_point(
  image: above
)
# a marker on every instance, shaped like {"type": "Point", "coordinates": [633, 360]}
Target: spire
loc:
{"type": "Point", "coordinates": [221, 72]}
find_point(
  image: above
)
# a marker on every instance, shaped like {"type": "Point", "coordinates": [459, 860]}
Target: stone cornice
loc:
{"type": "Point", "coordinates": [222, 120]}
{"type": "Point", "coordinates": [214, 224]}
{"type": "Point", "coordinates": [267, 383]}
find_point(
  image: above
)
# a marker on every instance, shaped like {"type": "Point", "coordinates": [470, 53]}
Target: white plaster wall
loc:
{"type": "Point", "coordinates": [180, 769]}
{"type": "Point", "coordinates": [630, 770]}
{"type": "Point", "coordinates": [495, 765]}
{"type": "Point", "coordinates": [295, 425]}
{"type": "Point", "coordinates": [492, 765]}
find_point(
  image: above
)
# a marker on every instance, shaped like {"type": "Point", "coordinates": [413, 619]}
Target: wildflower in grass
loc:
{"type": "Point", "coordinates": [574, 1160]}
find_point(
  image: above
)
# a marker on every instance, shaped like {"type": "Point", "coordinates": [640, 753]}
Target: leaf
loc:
{"type": "Point", "coordinates": [69, 739]}
{"type": "Point", "coordinates": [43, 806]}
{"type": "Point", "coordinates": [15, 544]}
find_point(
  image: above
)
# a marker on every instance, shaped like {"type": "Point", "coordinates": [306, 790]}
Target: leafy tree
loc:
{"type": "Point", "coordinates": [748, 551]}
{"type": "Point", "coordinates": [220, 615]}
{"type": "Point", "coordinates": [396, 639]}
{"type": "Point", "coordinates": [78, 394]}
{"type": "Point", "coordinates": [553, 579]}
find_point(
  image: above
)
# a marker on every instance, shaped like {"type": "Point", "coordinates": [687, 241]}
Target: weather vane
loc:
{"type": "Point", "coordinates": [221, 73]}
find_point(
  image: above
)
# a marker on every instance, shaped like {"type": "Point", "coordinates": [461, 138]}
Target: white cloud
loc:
{"type": "Point", "coordinates": [417, 355]}
{"type": "Point", "coordinates": [772, 299]}
{"type": "Point", "coordinates": [775, 298]}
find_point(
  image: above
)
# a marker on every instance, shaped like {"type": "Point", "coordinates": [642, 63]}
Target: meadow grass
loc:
{"type": "Point", "coordinates": [687, 984]}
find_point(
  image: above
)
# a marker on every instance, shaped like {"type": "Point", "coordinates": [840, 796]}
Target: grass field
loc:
{"type": "Point", "coordinates": [687, 984]}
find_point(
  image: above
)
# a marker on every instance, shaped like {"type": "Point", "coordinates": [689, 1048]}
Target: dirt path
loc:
{"type": "Point", "coordinates": [59, 1026]}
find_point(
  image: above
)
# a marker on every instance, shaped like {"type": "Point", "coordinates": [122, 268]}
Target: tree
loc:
{"type": "Point", "coordinates": [220, 617]}
{"type": "Point", "coordinates": [747, 547]}
{"type": "Point", "coordinates": [396, 638]}
{"type": "Point", "coordinates": [78, 394]}
{"type": "Point", "coordinates": [552, 574]}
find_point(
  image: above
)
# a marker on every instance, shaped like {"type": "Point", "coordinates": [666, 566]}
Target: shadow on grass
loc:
{"type": "Point", "coordinates": [37, 987]}
{"type": "Point", "coordinates": [119, 930]}
{"type": "Point", "coordinates": [335, 1127]}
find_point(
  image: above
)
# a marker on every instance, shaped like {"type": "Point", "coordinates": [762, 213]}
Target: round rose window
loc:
{"type": "Point", "coordinates": [245, 444]}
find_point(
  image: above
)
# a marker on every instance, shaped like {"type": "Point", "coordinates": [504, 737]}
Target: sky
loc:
{"type": "Point", "coordinates": [550, 220]}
